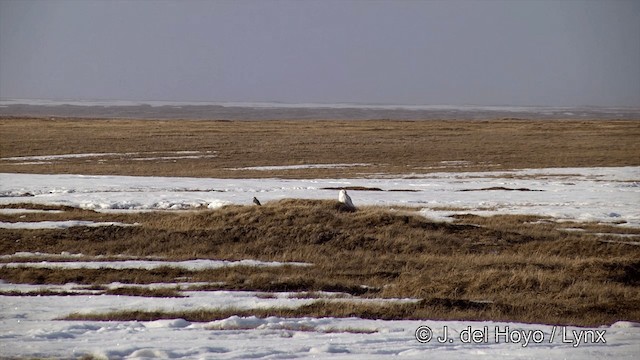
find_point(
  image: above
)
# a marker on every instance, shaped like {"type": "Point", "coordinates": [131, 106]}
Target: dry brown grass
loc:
{"type": "Point", "coordinates": [515, 268]}
{"type": "Point", "coordinates": [392, 147]}
{"type": "Point", "coordinates": [318, 308]}
{"type": "Point", "coordinates": [433, 309]}
{"type": "Point", "coordinates": [144, 292]}
{"type": "Point", "coordinates": [42, 292]}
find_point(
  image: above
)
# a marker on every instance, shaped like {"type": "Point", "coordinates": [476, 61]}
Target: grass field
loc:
{"type": "Point", "coordinates": [224, 149]}
{"type": "Point", "coordinates": [505, 267]}
{"type": "Point", "coordinates": [512, 268]}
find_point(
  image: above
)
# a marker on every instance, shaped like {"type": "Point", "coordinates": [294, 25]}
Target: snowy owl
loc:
{"type": "Point", "coordinates": [346, 199]}
{"type": "Point", "coordinates": [256, 201]}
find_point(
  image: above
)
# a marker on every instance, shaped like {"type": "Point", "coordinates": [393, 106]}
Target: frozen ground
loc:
{"type": "Point", "coordinates": [28, 325]}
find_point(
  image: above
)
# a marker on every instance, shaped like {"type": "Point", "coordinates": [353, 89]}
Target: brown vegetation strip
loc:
{"type": "Point", "coordinates": [352, 188]}
{"type": "Point", "coordinates": [432, 309]}
{"type": "Point", "coordinates": [128, 291]}
{"type": "Point", "coordinates": [364, 188]}
{"type": "Point", "coordinates": [500, 188]}
{"type": "Point", "coordinates": [144, 292]}
{"type": "Point", "coordinates": [39, 293]}
{"type": "Point", "coordinates": [390, 147]}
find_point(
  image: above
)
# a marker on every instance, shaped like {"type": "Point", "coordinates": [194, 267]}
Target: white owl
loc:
{"type": "Point", "coordinates": [346, 199]}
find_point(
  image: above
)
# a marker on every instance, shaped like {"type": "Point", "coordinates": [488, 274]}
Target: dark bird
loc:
{"type": "Point", "coordinates": [256, 201]}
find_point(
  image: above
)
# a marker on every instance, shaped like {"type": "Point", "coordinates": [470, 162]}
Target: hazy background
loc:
{"type": "Point", "coordinates": [553, 53]}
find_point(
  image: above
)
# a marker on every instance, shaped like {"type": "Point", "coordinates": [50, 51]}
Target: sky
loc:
{"type": "Point", "coordinates": [455, 52]}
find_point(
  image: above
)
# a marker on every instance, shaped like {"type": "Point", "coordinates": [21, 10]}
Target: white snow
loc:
{"type": "Point", "coordinates": [625, 324]}
{"type": "Point", "coordinates": [28, 321]}
{"type": "Point", "coordinates": [63, 156]}
{"type": "Point", "coordinates": [24, 254]}
{"type": "Point", "coordinates": [617, 235]}
{"type": "Point", "coordinates": [138, 156]}
{"type": "Point", "coordinates": [298, 167]}
{"type": "Point", "coordinates": [609, 195]}
{"type": "Point", "coordinates": [634, 243]}
{"type": "Point", "coordinates": [194, 265]}
{"type": "Point", "coordinates": [87, 289]}
{"type": "Point", "coordinates": [57, 224]}
{"type": "Point", "coordinates": [174, 157]}
{"type": "Point", "coordinates": [27, 211]}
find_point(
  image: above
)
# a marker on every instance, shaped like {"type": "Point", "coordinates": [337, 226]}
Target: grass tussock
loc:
{"type": "Point", "coordinates": [511, 268]}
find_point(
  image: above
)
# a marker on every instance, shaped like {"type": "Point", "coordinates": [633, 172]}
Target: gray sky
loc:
{"type": "Point", "coordinates": [562, 52]}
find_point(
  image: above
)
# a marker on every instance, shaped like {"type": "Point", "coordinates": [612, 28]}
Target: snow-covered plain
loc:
{"type": "Point", "coordinates": [27, 330]}
{"type": "Point", "coordinates": [585, 194]}
{"type": "Point", "coordinates": [28, 325]}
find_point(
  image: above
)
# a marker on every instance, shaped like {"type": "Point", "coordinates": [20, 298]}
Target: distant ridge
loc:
{"type": "Point", "coordinates": [299, 111]}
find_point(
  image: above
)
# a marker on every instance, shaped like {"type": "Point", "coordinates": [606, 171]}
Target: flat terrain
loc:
{"type": "Point", "coordinates": [229, 149]}
{"type": "Point", "coordinates": [555, 247]}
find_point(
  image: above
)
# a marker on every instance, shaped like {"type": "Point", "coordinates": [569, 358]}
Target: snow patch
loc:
{"type": "Point", "coordinates": [298, 167]}
{"type": "Point", "coordinates": [625, 324]}
{"type": "Point", "coordinates": [63, 156]}
{"type": "Point", "coordinates": [27, 254]}
{"type": "Point", "coordinates": [324, 325]}
{"type": "Point", "coordinates": [328, 349]}
{"type": "Point", "coordinates": [9, 211]}
{"type": "Point", "coordinates": [172, 324]}
{"type": "Point", "coordinates": [193, 265]}
{"type": "Point", "coordinates": [140, 156]}
{"type": "Point", "coordinates": [57, 224]}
